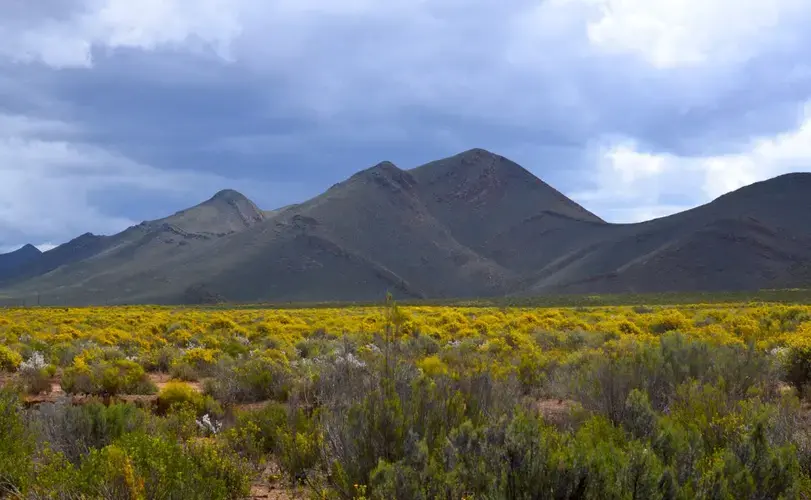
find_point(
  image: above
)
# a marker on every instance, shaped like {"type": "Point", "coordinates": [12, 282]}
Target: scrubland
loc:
{"type": "Point", "coordinates": [610, 402]}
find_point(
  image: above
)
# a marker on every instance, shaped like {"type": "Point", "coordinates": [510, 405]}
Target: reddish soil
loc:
{"type": "Point", "coordinates": [555, 411]}
{"type": "Point", "coordinates": [160, 380]}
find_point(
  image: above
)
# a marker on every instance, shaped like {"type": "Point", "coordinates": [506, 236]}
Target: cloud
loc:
{"type": "Point", "coordinates": [48, 184]}
{"type": "Point", "coordinates": [671, 33]}
{"type": "Point", "coordinates": [637, 107]}
{"type": "Point", "coordinates": [632, 183]}
{"type": "Point", "coordinates": [68, 39]}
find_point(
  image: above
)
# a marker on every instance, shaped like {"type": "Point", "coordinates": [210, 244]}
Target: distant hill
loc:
{"type": "Point", "coordinates": [12, 261]}
{"type": "Point", "coordinates": [472, 225]}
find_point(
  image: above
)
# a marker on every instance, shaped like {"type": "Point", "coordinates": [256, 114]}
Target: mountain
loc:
{"type": "Point", "coordinates": [472, 225]}
{"type": "Point", "coordinates": [753, 238]}
{"type": "Point", "coordinates": [478, 196]}
{"type": "Point", "coordinates": [11, 261]}
{"type": "Point", "coordinates": [100, 269]}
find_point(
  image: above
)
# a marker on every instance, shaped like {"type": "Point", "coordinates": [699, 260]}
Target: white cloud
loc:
{"type": "Point", "coordinates": [670, 33]}
{"type": "Point", "coordinates": [47, 184]}
{"type": "Point", "coordinates": [146, 24]}
{"type": "Point", "coordinates": [633, 184]}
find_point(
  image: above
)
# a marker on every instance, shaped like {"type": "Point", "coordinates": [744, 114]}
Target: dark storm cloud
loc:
{"type": "Point", "coordinates": [172, 100]}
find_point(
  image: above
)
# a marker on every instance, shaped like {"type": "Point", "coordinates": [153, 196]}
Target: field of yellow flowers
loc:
{"type": "Point", "coordinates": [68, 337]}
{"type": "Point", "coordinates": [684, 401]}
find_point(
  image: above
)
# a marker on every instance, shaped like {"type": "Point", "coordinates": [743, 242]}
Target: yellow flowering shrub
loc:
{"type": "Point", "coordinates": [9, 360]}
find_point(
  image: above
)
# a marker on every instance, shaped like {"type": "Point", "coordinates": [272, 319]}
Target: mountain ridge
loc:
{"type": "Point", "coordinates": [474, 224]}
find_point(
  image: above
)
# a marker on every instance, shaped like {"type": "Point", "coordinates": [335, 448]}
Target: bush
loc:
{"type": "Point", "coordinates": [37, 380]}
{"type": "Point", "coordinates": [183, 371]}
{"type": "Point", "coordinates": [73, 430]}
{"type": "Point", "coordinates": [124, 377]}
{"type": "Point", "coordinates": [156, 468]}
{"type": "Point", "coordinates": [256, 434]}
{"type": "Point", "coordinates": [9, 359]}
{"type": "Point", "coordinates": [249, 381]}
{"type": "Point", "coordinates": [605, 379]}
{"type": "Point", "coordinates": [797, 364]}
{"type": "Point", "coordinates": [176, 394]}
{"type": "Point", "coordinates": [161, 360]}
{"type": "Point", "coordinates": [16, 446]}
{"type": "Point", "coordinates": [109, 378]}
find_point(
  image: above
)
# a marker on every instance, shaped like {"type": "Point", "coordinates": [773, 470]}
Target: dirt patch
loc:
{"type": "Point", "coordinates": [270, 487]}
{"type": "Point", "coordinates": [56, 393]}
{"type": "Point", "coordinates": [555, 411]}
{"type": "Point", "coordinates": [271, 492]}
{"type": "Point", "coordinates": [161, 379]}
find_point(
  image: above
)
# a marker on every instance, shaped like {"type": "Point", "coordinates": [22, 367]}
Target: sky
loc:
{"type": "Point", "coordinates": [113, 111]}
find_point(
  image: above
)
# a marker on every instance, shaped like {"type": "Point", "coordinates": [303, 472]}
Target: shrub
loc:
{"type": "Point", "coordinates": [119, 376]}
{"type": "Point", "coordinates": [669, 321]}
{"type": "Point", "coordinates": [9, 359]}
{"type": "Point", "coordinates": [248, 381]}
{"type": "Point", "coordinates": [109, 473]}
{"type": "Point", "coordinates": [162, 469]}
{"type": "Point", "coordinates": [176, 394]}
{"type": "Point", "coordinates": [203, 360]}
{"type": "Point", "coordinates": [183, 371]}
{"type": "Point", "coordinates": [124, 377]}
{"type": "Point", "coordinates": [161, 360]}
{"type": "Point", "coordinates": [258, 433]}
{"type": "Point", "coordinates": [79, 380]}
{"type": "Point", "coordinates": [35, 374]}
{"type": "Point", "coordinates": [37, 380]}
{"type": "Point", "coordinates": [16, 446]}
{"type": "Point", "coordinates": [432, 366]}
{"type": "Point", "coordinates": [797, 363]}
{"type": "Point", "coordinates": [73, 430]}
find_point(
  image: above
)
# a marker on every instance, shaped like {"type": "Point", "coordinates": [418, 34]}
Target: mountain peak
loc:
{"type": "Point", "coordinates": [25, 250]}
{"type": "Point", "coordinates": [226, 212]}
{"type": "Point", "coordinates": [229, 196]}
{"type": "Point", "coordinates": [30, 249]}
{"type": "Point", "coordinates": [382, 168]}
{"type": "Point", "coordinates": [15, 260]}
{"type": "Point", "coordinates": [478, 153]}
{"type": "Point", "coordinates": [388, 175]}
{"type": "Point", "coordinates": [478, 194]}
{"type": "Point", "coordinates": [473, 164]}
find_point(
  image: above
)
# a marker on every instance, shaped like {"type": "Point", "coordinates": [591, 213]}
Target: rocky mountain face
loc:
{"type": "Point", "coordinates": [472, 225]}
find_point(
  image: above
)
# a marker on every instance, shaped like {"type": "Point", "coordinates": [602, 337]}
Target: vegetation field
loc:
{"type": "Point", "coordinates": [407, 402]}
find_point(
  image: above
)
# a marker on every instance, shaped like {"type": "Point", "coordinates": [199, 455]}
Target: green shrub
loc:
{"type": "Point", "coordinates": [256, 434]}
{"type": "Point", "coordinates": [797, 366]}
{"type": "Point", "coordinates": [9, 359]}
{"type": "Point", "coordinates": [293, 438]}
{"type": "Point", "coordinates": [16, 446]}
{"type": "Point", "coordinates": [183, 371]}
{"type": "Point", "coordinates": [120, 376]}
{"type": "Point", "coordinates": [79, 380]}
{"type": "Point", "coordinates": [73, 430]}
{"type": "Point", "coordinates": [161, 360]}
{"type": "Point", "coordinates": [249, 381]}
{"type": "Point", "coordinates": [163, 469]}
{"type": "Point", "coordinates": [176, 394]}
{"type": "Point", "coordinates": [37, 380]}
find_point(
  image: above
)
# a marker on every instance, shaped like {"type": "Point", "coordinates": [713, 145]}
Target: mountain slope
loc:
{"type": "Point", "coordinates": [364, 236]}
{"type": "Point", "coordinates": [475, 224]}
{"type": "Point", "coordinates": [92, 269]}
{"type": "Point", "coordinates": [226, 212]}
{"type": "Point", "coordinates": [11, 262]}
{"type": "Point", "coordinates": [479, 195]}
{"type": "Point", "coordinates": [749, 239]}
